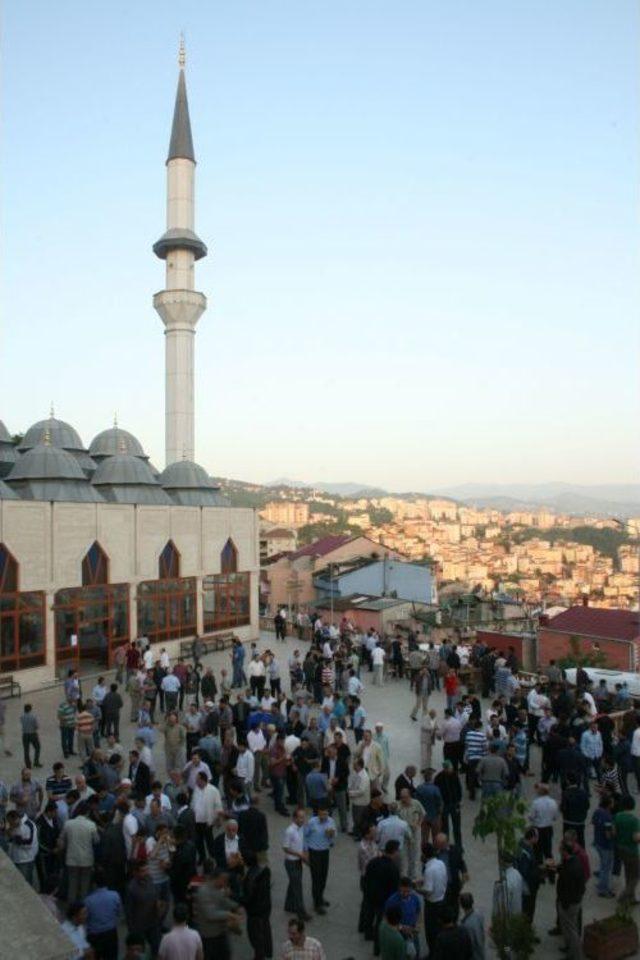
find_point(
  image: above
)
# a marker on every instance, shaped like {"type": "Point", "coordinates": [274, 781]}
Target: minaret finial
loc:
{"type": "Point", "coordinates": [115, 421]}
{"type": "Point", "coordinates": [52, 412]}
{"type": "Point", "coordinates": [46, 439]}
{"type": "Point", "coordinates": [122, 445]}
{"type": "Point", "coordinates": [182, 54]}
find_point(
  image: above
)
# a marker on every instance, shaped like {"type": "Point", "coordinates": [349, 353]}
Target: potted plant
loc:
{"type": "Point", "coordinates": [611, 938]}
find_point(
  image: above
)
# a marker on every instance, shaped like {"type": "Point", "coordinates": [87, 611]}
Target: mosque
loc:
{"type": "Point", "coordinates": [96, 545]}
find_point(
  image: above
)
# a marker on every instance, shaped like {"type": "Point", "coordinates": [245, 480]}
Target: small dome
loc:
{"type": "Point", "coordinates": [114, 441]}
{"type": "Point", "coordinates": [124, 469]}
{"type": "Point", "coordinates": [5, 436]}
{"type": "Point", "coordinates": [45, 462]}
{"type": "Point", "coordinates": [60, 434]}
{"type": "Point", "coordinates": [185, 475]}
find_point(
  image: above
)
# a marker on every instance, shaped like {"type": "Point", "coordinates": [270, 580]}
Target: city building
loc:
{"type": "Point", "coordinates": [615, 633]}
{"type": "Point", "coordinates": [384, 577]}
{"type": "Point", "coordinates": [286, 513]}
{"type": "Point", "coordinates": [96, 546]}
{"type": "Point", "coordinates": [275, 540]}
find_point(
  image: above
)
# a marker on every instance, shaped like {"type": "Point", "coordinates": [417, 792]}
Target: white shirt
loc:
{"type": "Point", "coordinates": [129, 830]}
{"type": "Point", "coordinates": [378, 656]}
{"type": "Point", "coordinates": [435, 880]}
{"type": "Point", "coordinates": [231, 846]}
{"type": "Point", "coordinates": [592, 704]}
{"type": "Point", "coordinates": [206, 804]}
{"type": "Point", "coordinates": [393, 828]}
{"type": "Point", "coordinates": [147, 659]}
{"type": "Point", "coordinates": [543, 812]}
{"type": "Point", "coordinates": [327, 652]}
{"type": "Point", "coordinates": [355, 687]}
{"type": "Point", "coordinates": [165, 803]}
{"type": "Point", "coordinates": [293, 840]}
{"type": "Point", "coordinates": [170, 683]}
{"type": "Point", "coordinates": [256, 668]}
{"type": "Point", "coordinates": [256, 740]}
{"type": "Point", "coordinates": [291, 743]}
{"type": "Point", "coordinates": [165, 662]}
{"type": "Point", "coordinates": [245, 766]}
{"type": "Point", "coordinates": [635, 743]}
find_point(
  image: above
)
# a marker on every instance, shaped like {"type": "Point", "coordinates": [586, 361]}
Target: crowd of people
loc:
{"type": "Point", "coordinates": [164, 848]}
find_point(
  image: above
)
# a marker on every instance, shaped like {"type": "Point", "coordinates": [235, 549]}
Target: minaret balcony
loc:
{"type": "Point", "coordinates": [179, 238]}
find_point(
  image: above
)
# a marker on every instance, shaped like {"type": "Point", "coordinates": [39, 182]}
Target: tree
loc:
{"type": "Point", "coordinates": [577, 657]}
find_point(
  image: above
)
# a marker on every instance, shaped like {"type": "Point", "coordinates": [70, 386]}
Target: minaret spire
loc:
{"type": "Point", "coordinates": [179, 305]}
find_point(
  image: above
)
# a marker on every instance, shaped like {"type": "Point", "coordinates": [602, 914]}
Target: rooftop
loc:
{"type": "Point", "coordinates": [598, 622]}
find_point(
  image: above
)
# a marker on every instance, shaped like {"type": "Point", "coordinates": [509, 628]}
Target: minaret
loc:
{"type": "Point", "coordinates": [179, 305]}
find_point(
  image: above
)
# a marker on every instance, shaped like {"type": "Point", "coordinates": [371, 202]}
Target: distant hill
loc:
{"type": "Point", "coordinates": [349, 489]}
{"type": "Point", "coordinates": [609, 500]}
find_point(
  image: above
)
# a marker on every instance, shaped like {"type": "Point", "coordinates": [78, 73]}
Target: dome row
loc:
{"type": "Point", "coordinates": [50, 463]}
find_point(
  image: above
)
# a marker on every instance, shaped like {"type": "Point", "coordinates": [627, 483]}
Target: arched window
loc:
{"type": "Point", "coordinates": [8, 571]}
{"type": "Point", "coordinates": [169, 566]}
{"type": "Point", "coordinates": [95, 566]}
{"type": "Point", "coordinates": [22, 637]}
{"type": "Point", "coordinates": [229, 558]}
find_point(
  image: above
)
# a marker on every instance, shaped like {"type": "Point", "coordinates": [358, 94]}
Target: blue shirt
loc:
{"type": "Point", "coordinates": [431, 799]}
{"type": "Point", "coordinates": [317, 785]}
{"type": "Point", "coordinates": [104, 908]}
{"type": "Point", "coordinates": [409, 907]}
{"type": "Point", "coordinates": [315, 834]}
{"type": "Point", "coordinates": [359, 717]}
{"type": "Point", "coordinates": [602, 819]}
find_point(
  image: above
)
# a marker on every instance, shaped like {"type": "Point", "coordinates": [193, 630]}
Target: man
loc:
{"type": "Point", "coordinates": [393, 945]}
{"type": "Point", "coordinates": [422, 688]}
{"type": "Point", "coordinates": [473, 923]}
{"type": "Point", "coordinates": [228, 851]}
{"type": "Point", "coordinates": [542, 814]}
{"type": "Point", "coordinates": [475, 749]}
{"type": "Point", "coordinates": [434, 887]}
{"type": "Point", "coordinates": [299, 946]}
{"type": "Point", "coordinates": [22, 837]}
{"type": "Point", "coordinates": [139, 774]}
{"type": "Point", "coordinates": [182, 943]}
{"type": "Point", "coordinates": [373, 757]}
{"type": "Point", "coordinates": [254, 831]}
{"type": "Point", "coordinates": [408, 904]}
{"type": "Point", "coordinates": [626, 827]}
{"type": "Point", "coordinates": [67, 724]}
{"type": "Point", "coordinates": [27, 794]}
{"type": "Point", "coordinates": [570, 891]}
{"type": "Point", "coordinates": [591, 747]}
{"type": "Point", "coordinates": [381, 879]}
{"type": "Point", "coordinates": [48, 862]}
{"type": "Point", "coordinates": [406, 780]}
{"type": "Point", "coordinates": [377, 658]}
{"type": "Point", "coordinates": [195, 766]}
{"type": "Point", "coordinates": [111, 706]}
{"type": "Point", "coordinates": [431, 799]}
{"type": "Point", "coordinates": [574, 807]}
{"type": "Point", "coordinates": [206, 804]}
{"type": "Point", "coordinates": [171, 688]}
{"type": "Point", "coordinates": [412, 812]}
{"type": "Point", "coordinates": [457, 874]}
{"type": "Point", "coordinates": [448, 783]}
{"type": "Point", "coordinates": [492, 772]}
{"type": "Point", "coordinates": [335, 766]}
{"type": "Point", "coordinates": [295, 855]}
{"type": "Point", "coordinates": [79, 839]}
{"type": "Point", "coordinates": [381, 738]}
{"type": "Point", "coordinates": [257, 743]}
{"type": "Point", "coordinates": [319, 837]}
{"type": "Point", "coordinates": [602, 821]}
{"type": "Point", "coordinates": [142, 909]}
{"type": "Point", "coordinates": [30, 736]}
{"type": "Point", "coordinates": [104, 910]}
{"type": "Point", "coordinates": [174, 742]}
{"type": "Point", "coordinates": [359, 791]}
{"type": "Point", "coordinates": [526, 863]}
{"type": "Point", "coordinates": [452, 942]}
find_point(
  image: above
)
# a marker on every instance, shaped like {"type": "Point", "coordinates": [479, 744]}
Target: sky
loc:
{"type": "Point", "coordinates": [422, 220]}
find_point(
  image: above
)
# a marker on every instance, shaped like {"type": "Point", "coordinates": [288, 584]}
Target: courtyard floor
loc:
{"type": "Point", "coordinates": [338, 929]}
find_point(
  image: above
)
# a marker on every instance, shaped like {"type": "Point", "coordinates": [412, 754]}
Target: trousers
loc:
{"type": "Point", "coordinates": [319, 865]}
{"type": "Point", "coordinates": [294, 899]}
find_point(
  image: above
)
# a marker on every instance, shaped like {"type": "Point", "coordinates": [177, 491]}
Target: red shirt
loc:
{"type": "Point", "coordinates": [451, 684]}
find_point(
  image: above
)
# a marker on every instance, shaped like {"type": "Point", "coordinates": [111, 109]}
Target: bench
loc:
{"type": "Point", "coordinates": [10, 687]}
{"type": "Point", "coordinates": [210, 643]}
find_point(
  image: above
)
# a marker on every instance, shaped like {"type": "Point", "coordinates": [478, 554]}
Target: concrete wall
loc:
{"type": "Point", "coordinates": [409, 581]}
{"type": "Point", "coordinates": [49, 541]}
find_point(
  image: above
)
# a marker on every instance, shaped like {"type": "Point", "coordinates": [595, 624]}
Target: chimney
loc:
{"type": "Point", "coordinates": [585, 599]}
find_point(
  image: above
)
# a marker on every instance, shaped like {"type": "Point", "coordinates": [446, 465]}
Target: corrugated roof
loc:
{"type": "Point", "coordinates": [597, 622]}
{"type": "Point", "coordinates": [321, 547]}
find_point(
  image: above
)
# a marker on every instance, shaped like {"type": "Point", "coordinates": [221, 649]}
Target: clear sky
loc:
{"type": "Point", "coordinates": [422, 220]}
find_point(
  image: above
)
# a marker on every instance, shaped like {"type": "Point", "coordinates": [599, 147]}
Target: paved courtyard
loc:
{"type": "Point", "coordinates": [338, 929]}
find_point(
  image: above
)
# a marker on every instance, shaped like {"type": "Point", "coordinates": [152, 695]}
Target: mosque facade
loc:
{"type": "Point", "coordinates": [97, 547]}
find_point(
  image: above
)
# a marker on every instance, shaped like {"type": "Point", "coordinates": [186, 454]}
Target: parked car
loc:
{"type": "Point", "coordinates": [596, 674]}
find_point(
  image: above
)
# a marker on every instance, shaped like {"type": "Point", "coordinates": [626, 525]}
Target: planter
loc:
{"type": "Point", "coordinates": [610, 939]}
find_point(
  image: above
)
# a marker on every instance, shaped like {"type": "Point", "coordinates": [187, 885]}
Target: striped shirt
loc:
{"type": "Point", "coordinates": [475, 744]}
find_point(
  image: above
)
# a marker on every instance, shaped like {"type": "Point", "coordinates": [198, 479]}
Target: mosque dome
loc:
{"type": "Point", "coordinates": [125, 478]}
{"type": "Point", "coordinates": [189, 485]}
{"type": "Point", "coordinates": [114, 441]}
{"type": "Point", "coordinates": [45, 472]}
{"type": "Point", "coordinates": [59, 434]}
{"type": "Point", "coordinates": [5, 436]}
{"type": "Point", "coordinates": [185, 474]}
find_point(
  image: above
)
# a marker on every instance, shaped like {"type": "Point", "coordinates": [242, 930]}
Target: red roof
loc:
{"type": "Point", "coordinates": [321, 547]}
{"type": "Point", "coordinates": [597, 622]}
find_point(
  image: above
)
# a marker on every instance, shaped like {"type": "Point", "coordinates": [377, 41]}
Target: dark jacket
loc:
{"type": "Point", "coordinates": [574, 805]}
{"type": "Point", "coordinates": [141, 782]}
{"type": "Point", "coordinates": [381, 879]}
{"type": "Point", "coordinates": [253, 829]}
{"type": "Point", "coordinates": [450, 789]}
{"type": "Point", "coordinates": [218, 851]}
{"type": "Point", "coordinates": [571, 883]}
{"type": "Point", "coordinates": [403, 783]}
{"type": "Point", "coordinates": [453, 943]}
{"type": "Point", "coordinates": [256, 892]}
{"type": "Point", "coordinates": [528, 867]}
{"type": "Point", "coordinates": [341, 772]}
{"type": "Point", "coordinates": [454, 862]}
{"type": "Point", "coordinates": [186, 818]}
{"type": "Point", "coordinates": [183, 869]}
{"type": "Point", "coordinates": [111, 705]}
